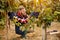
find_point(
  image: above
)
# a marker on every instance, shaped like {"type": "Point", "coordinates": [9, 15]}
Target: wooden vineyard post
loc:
{"type": "Point", "coordinates": [6, 25]}
{"type": "Point", "coordinates": [44, 33]}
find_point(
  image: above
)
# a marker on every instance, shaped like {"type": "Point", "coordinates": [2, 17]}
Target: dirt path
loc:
{"type": "Point", "coordinates": [31, 36]}
{"type": "Point", "coordinates": [37, 35]}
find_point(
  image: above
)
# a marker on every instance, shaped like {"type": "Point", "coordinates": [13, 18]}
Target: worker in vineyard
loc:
{"type": "Point", "coordinates": [22, 18]}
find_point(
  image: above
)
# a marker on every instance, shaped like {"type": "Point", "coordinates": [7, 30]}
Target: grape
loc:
{"type": "Point", "coordinates": [35, 14]}
{"type": "Point", "coordinates": [11, 15]}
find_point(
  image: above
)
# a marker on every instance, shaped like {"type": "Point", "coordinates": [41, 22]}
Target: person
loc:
{"type": "Point", "coordinates": [22, 18]}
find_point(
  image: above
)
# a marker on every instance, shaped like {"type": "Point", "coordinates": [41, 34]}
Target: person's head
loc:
{"type": "Point", "coordinates": [22, 10]}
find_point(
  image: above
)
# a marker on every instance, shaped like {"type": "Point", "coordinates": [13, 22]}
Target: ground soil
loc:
{"type": "Point", "coordinates": [36, 35]}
